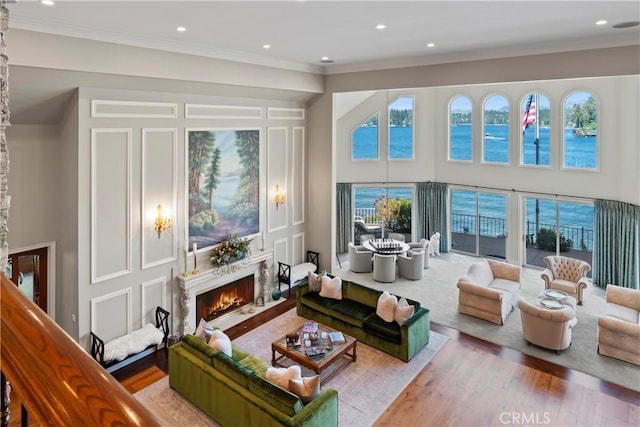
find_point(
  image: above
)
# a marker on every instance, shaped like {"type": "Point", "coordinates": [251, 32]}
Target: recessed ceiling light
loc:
{"type": "Point", "coordinates": [627, 24]}
{"type": "Point", "coordinates": [326, 60]}
{"type": "Point", "coordinates": [48, 2]}
{"type": "Point", "coordinates": [181, 29]}
{"type": "Point", "coordinates": [266, 46]}
{"type": "Point", "coordinates": [601, 22]}
{"type": "Point", "coordinates": [380, 27]}
{"type": "Point", "coordinates": [431, 44]}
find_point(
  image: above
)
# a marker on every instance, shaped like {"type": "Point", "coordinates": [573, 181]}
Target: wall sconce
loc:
{"type": "Point", "coordinates": [163, 223]}
{"type": "Point", "coordinates": [280, 197]}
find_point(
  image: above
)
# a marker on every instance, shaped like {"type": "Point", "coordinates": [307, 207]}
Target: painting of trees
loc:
{"type": "Point", "coordinates": [223, 183]}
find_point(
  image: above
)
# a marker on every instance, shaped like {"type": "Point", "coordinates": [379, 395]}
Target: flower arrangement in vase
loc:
{"type": "Point", "coordinates": [230, 250]}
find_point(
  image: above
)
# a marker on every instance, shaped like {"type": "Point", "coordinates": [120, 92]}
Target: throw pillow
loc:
{"type": "Point", "coordinates": [281, 376]}
{"type": "Point", "coordinates": [315, 281]}
{"type": "Point", "coordinates": [221, 342]}
{"type": "Point", "coordinates": [403, 312]}
{"type": "Point", "coordinates": [306, 388]}
{"type": "Point", "coordinates": [203, 331]}
{"type": "Point", "coordinates": [331, 288]}
{"type": "Point", "coordinates": [386, 306]}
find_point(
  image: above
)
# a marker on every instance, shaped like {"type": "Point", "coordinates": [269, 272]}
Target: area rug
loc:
{"type": "Point", "coordinates": [365, 388]}
{"type": "Point", "coordinates": [438, 292]}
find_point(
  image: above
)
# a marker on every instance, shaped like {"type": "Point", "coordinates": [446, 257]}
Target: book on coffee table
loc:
{"type": "Point", "coordinates": [310, 328]}
{"type": "Point", "coordinates": [336, 337]}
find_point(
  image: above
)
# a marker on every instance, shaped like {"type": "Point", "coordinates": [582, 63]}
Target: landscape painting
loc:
{"type": "Point", "coordinates": [223, 185]}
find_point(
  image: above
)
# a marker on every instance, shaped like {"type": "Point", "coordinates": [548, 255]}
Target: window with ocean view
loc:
{"type": "Point", "coordinates": [460, 129]}
{"type": "Point", "coordinates": [381, 209]}
{"type": "Point", "coordinates": [364, 140]}
{"type": "Point", "coordinates": [536, 130]}
{"type": "Point", "coordinates": [580, 131]}
{"type": "Point", "coordinates": [558, 228]}
{"type": "Point", "coordinates": [495, 141]}
{"type": "Point", "coordinates": [401, 128]}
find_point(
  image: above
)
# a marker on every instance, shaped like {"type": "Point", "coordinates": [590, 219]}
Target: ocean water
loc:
{"type": "Point", "coordinates": [580, 152]}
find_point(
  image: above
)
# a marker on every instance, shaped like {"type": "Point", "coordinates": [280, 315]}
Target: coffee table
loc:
{"type": "Point", "coordinates": [335, 355]}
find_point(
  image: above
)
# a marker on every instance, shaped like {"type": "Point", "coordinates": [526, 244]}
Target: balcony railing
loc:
{"type": "Point", "coordinates": [581, 237]}
{"type": "Point", "coordinates": [58, 382]}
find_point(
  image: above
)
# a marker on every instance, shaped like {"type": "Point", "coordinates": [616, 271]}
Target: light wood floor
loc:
{"type": "Point", "coordinates": [471, 382]}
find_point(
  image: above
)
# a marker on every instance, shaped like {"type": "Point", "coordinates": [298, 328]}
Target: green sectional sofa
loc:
{"type": "Point", "coordinates": [356, 315]}
{"type": "Point", "coordinates": [234, 392]}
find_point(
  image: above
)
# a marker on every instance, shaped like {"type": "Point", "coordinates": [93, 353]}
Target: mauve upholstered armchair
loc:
{"type": "Point", "coordinates": [411, 265]}
{"type": "Point", "coordinates": [359, 259]}
{"type": "Point", "coordinates": [619, 325]}
{"type": "Point", "coordinates": [547, 328]}
{"type": "Point", "coordinates": [566, 274]}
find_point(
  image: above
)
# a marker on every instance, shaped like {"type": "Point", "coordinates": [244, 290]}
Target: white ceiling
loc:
{"type": "Point", "coordinates": [301, 32]}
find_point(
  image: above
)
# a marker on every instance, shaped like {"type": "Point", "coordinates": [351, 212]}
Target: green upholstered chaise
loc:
{"type": "Point", "coordinates": [233, 390]}
{"type": "Point", "coordinates": [356, 315]}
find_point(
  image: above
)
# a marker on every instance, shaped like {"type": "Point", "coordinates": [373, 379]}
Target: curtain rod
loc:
{"type": "Point", "coordinates": [478, 187]}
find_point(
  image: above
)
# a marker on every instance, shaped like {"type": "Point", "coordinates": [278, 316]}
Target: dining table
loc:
{"type": "Point", "coordinates": [386, 246]}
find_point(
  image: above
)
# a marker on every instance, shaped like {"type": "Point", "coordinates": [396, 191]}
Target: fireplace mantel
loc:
{"type": "Point", "coordinates": [190, 286]}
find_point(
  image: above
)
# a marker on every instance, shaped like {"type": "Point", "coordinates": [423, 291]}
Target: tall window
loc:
{"type": "Point", "coordinates": [581, 131]}
{"type": "Point", "coordinates": [536, 125]}
{"type": "Point", "coordinates": [495, 147]}
{"type": "Point", "coordinates": [379, 210]}
{"type": "Point", "coordinates": [364, 140]}
{"type": "Point", "coordinates": [401, 128]}
{"type": "Point", "coordinates": [460, 127]}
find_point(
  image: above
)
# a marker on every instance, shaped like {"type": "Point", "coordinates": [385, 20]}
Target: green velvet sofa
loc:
{"type": "Point", "coordinates": [233, 390]}
{"type": "Point", "coordinates": [356, 315]}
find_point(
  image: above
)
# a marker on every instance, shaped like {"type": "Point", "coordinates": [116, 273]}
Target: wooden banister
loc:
{"type": "Point", "coordinates": [59, 383]}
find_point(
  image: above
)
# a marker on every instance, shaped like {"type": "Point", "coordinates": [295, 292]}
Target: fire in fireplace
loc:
{"type": "Point", "coordinates": [225, 299]}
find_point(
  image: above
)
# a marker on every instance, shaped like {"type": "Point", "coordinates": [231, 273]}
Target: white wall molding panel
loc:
{"type": "Point", "coordinates": [133, 109]}
{"type": "Point", "coordinates": [198, 111]}
{"type": "Point", "coordinates": [110, 203]}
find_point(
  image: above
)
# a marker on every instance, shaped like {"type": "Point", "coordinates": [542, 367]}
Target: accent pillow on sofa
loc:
{"type": "Point", "coordinates": [403, 312]}
{"type": "Point", "coordinates": [203, 331]}
{"type": "Point", "coordinates": [331, 288]}
{"type": "Point", "coordinates": [306, 388]}
{"type": "Point", "coordinates": [315, 281]}
{"type": "Point", "coordinates": [386, 306]}
{"type": "Point", "coordinates": [221, 342]}
{"type": "Point", "coordinates": [281, 376]}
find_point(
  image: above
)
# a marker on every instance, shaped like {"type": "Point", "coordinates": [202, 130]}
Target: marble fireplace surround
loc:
{"type": "Point", "coordinates": [193, 285]}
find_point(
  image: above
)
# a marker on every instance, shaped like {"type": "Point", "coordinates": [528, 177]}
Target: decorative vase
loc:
{"type": "Point", "coordinates": [276, 294]}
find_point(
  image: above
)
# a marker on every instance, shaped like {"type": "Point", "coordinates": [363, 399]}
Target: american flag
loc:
{"type": "Point", "coordinates": [529, 115]}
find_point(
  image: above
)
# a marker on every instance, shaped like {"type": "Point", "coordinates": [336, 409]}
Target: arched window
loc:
{"type": "Point", "coordinates": [364, 140]}
{"type": "Point", "coordinates": [580, 131]}
{"type": "Point", "coordinates": [495, 131]}
{"type": "Point", "coordinates": [460, 129]}
{"type": "Point", "coordinates": [535, 113]}
{"type": "Point", "coordinates": [401, 128]}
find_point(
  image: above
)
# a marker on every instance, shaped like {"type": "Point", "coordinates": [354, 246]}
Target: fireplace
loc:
{"type": "Point", "coordinates": [223, 300]}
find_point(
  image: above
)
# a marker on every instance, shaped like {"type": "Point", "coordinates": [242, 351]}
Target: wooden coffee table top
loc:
{"type": "Point", "coordinates": [318, 363]}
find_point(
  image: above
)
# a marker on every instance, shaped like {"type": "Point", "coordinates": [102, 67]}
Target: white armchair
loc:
{"type": "Point", "coordinates": [384, 268]}
{"type": "Point", "coordinates": [566, 274]}
{"type": "Point", "coordinates": [396, 236]}
{"type": "Point", "coordinates": [411, 266]}
{"type": "Point", "coordinates": [359, 259]}
{"type": "Point", "coordinates": [424, 245]}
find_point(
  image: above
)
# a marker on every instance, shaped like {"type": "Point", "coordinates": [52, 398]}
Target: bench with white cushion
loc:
{"type": "Point", "coordinates": [133, 346]}
{"type": "Point", "coordinates": [290, 275]}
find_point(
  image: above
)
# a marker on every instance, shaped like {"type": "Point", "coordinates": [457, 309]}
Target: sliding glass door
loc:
{"type": "Point", "coordinates": [557, 228]}
{"type": "Point", "coordinates": [478, 223]}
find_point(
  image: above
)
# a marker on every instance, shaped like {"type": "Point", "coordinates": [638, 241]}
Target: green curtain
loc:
{"type": "Point", "coordinates": [344, 217]}
{"type": "Point", "coordinates": [431, 211]}
{"type": "Point", "coordinates": [616, 244]}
